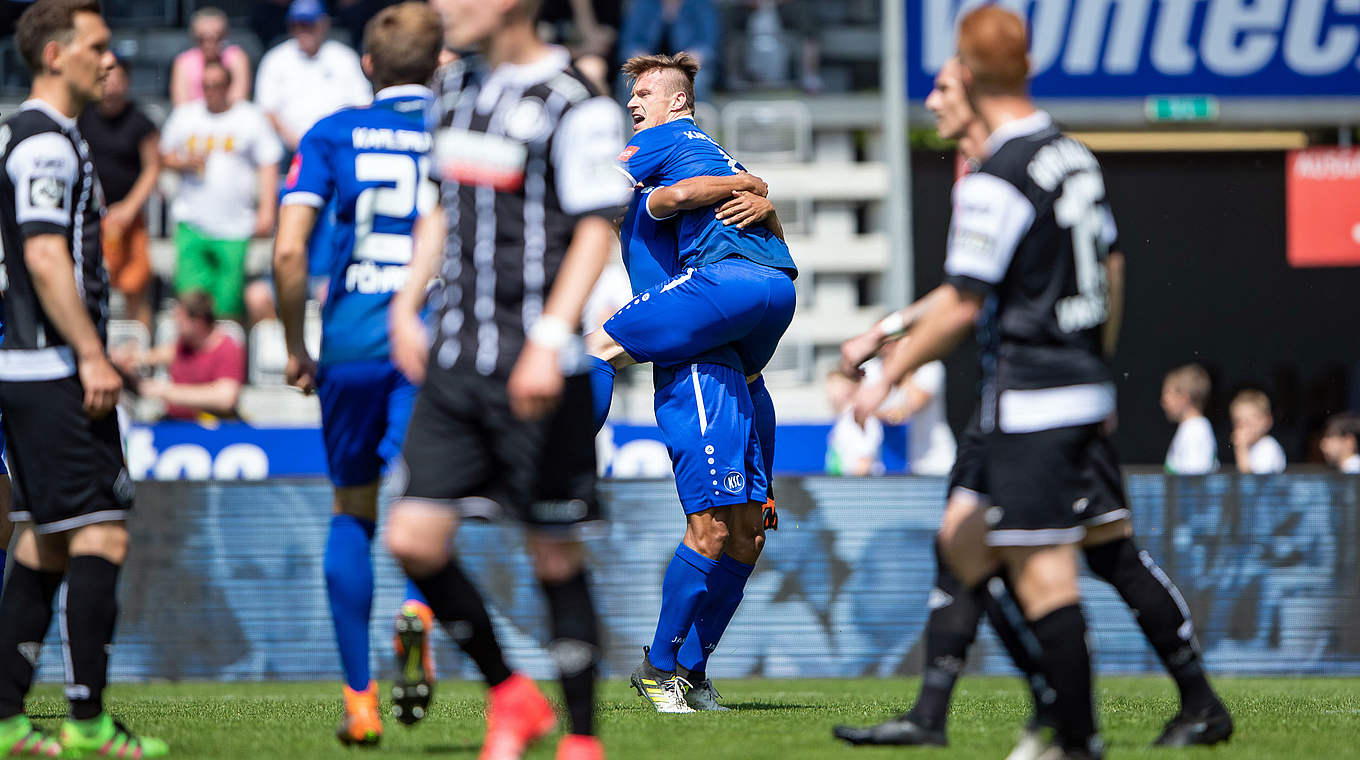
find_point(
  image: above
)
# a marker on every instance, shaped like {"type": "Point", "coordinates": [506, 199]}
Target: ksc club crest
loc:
{"type": "Point", "coordinates": [734, 482]}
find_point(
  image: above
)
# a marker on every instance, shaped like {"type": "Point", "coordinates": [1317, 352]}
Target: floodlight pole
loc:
{"type": "Point", "coordinates": [900, 288]}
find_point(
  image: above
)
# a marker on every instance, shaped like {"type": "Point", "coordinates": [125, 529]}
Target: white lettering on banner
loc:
{"type": "Point", "coordinates": [190, 461]}
{"type": "Point", "coordinates": [1327, 164]}
{"type": "Point", "coordinates": [1237, 38]}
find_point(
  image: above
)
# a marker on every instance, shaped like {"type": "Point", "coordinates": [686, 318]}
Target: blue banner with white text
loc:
{"type": "Point", "coordinates": [1137, 48]}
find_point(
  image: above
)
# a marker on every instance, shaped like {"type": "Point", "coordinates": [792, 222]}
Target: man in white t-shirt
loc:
{"type": "Point", "coordinates": [1194, 450]}
{"type": "Point", "coordinates": [1256, 451]}
{"type": "Point", "coordinates": [227, 157]}
{"type": "Point", "coordinates": [308, 77]}
{"type": "Point", "coordinates": [850, 448]}
{"type": "Point", "coordinates": [930, 442]}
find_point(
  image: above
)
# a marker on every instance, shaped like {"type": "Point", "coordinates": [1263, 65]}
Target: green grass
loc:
{"type": "Point", "coordinates": [1297, 719]}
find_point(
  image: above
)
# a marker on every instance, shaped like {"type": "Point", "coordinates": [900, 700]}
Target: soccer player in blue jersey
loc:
{"type": "Point", "coordinates": [732, 292]}
{"type": "Point", "coordinates": [373, 161]}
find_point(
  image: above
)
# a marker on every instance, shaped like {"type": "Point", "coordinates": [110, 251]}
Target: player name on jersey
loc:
{"type": "Point", "coordinates": [375, 138]}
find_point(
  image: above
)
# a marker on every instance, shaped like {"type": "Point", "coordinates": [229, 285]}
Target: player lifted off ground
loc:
{"type": "Point", "coordinates": [372, 161]}
{"type": "Point", "coordinates": [524, 152]}
{"type": "Point", "coordinates": [73, 493]}
{"type": "Point", "coordinates": [731, 292]}
{"type": "Point", "coordinates": [1109, 547]}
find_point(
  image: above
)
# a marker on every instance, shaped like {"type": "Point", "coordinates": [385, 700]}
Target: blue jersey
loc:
{"type": "Point", "coordinates": [668, 153]}
{"type": "Point", "coordinates": [373, 161]}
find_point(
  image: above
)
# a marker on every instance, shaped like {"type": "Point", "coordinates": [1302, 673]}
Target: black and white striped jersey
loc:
{"type": "Point", "coordinates": [48, 186]}
{"type": "Point", "coordinates": [1032, 230]}
{"type": "Point", "coordinates": [522, 153]}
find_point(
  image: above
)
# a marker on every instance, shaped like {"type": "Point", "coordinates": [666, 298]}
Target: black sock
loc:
{"type": "Point", "coordinates": [89, 610]}
{"type": "Point", "coordinates": [458, 605]}
{"type": "Point", "coordinates": [25, 613]}
{"type": "Point", "coordinates": [575, 647]}
{"type": "Point", "coordinates": [955, 612]}
{"type": "Point", "coordinates": [1161, 612]}
{"type": "Point", "coordinates": [1067, 666]}
{"type": "Point", "coordinates": [1014, 632]}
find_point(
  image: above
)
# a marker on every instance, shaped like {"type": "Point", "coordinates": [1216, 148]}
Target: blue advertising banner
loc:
{"type": "Point", "coordinates": [237, 451]}
{"type": "Point", "coordinates": [225, 581]}
{"type": "Point", "coordinates": [1137, 48]}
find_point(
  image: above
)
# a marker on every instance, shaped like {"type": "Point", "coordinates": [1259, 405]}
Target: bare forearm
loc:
{"type": "Point", "coordinates": [218, 397]}
{"type": "Point", "coordinates": [290, 271]}
{"type": "Point", "coordinates": [53, 272]}
{"type": "Point", "coordinates": [935, 334]}
{"type": "Point", "coordinates": [701, 192]}
{"type": "Point", "coordinates": [428, 235]}
{"type": "Point", "coordinates": [1114, 273]}
{"type": "Point", "coordinates": [581, 267]}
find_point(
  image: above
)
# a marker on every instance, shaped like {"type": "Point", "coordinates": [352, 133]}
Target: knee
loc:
{"type": "Point", "coordinates": [415, 550]}
{"type": "Point", "coordinates": [708, 537]}
{"type": "Point", "coordinates": [746, 541]}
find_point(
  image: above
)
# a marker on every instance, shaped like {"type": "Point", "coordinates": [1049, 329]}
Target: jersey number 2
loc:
{"type": "Point", "coordinates": [1080, 211]}
{"type": "Point", "coordinates": [404, 192]}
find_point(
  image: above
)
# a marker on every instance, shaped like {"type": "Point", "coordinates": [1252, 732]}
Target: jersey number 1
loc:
{"type": "Point", "coordinates": [1079, 210]}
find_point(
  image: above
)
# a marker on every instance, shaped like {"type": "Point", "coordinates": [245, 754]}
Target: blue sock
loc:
{"type": "Point", "coordinates": [349, 584]}
{"type": "Point", "coordinates": [4, 555]}
{"type": "Point", "coordinates": [413, 593]}
{"type": "Point", "coordinates": [682, 592]}
{"type": "Point", "coordinates": [726, 586]}
{"type": "Point", "coordinates": [601, 389]}
{"type": "Point", "coordinates": [763, 419]}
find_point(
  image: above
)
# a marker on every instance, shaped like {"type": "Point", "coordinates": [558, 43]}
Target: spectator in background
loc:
{"type": "Point", "coordinates": [207, 366]}
{"type": "Point", "coordinates": [766, 56]}
{"type": "Point", "coordinates": [123, 147]}
{"type": "Point", "coordinates": [307, 76]}
{"type": "Point", "coordinates": [851, 449]}
{"type": "Point", "coordinates": [590, 29]}
{"type": "Point", "coordinates": [209, 28]}
{"type": "Point", "coordinates": [227, 158]}
{"type": "Point", "coordinates": [670, 26]}
{"type": "Point", "coordinates": [1185, 394]}
{"type": "Point", "coordinates": [930, 443]}
{"type": "Point", "coordinates": [1255, 450]}
{"type": "Point", "coordinates": [1340, 443]}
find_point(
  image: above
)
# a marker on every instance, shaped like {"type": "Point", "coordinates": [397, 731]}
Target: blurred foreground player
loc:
{"type": "Point", "coordinates": [58, 390]}
{"type": "Point", "coordinates": [524, 153]}
{"type": "Point", "coordinates": [373, 161]}
{"type": "Point", "coordinates": [1109, 548]}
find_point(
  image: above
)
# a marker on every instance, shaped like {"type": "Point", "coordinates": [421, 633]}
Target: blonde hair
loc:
{"type": "Point", "coordinates": [683, 67]}
{"type": "Point", "coordinates": [403, 43]}
{"type": "Point", "coordinates": [1193, 381]}
{"type": "Point", "coordinates": [1252, 397]}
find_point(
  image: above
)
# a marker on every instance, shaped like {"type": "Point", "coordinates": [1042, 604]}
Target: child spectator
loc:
{"type": "Point", "coordinates": [851, 449]}
{"type": "Point", "coordinates": [1193, 451]}
{"type": "Point", "coordinates": [1254, 449]}
{"type": "Point", "coordinates": [1340, 443]}
{"type": "Point", "coordinates": [209, 26]}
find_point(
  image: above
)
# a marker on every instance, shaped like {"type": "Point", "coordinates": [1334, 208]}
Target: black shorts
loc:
{"type": "Point", "coordinates": [968, 477]}
{"type": "Point", "coordinates": [1045, 485]}
{"type": "Point", "coordinates": [68, 469]}
{"type": "Point", "coordinates": [465, 448]}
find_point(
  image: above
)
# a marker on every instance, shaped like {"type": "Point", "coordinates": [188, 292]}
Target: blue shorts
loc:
{"type": "Point", "coordinates": [734, 301]}
{"type": "Point", "coordinates": [365, 407]}
{"type": "Point", "coordinates": [704, 412]}
{"type": "Point", "coordinates": [4, 468]}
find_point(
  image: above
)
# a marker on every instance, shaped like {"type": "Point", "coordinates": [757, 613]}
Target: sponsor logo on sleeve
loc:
{"type": "Point", "coordinates": [47, 192]}
{"type": "Point", "coordinates": [628, 153]}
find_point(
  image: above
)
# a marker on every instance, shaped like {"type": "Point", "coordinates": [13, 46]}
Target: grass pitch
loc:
{"type": "Point", "coordinates": [1297, 719]}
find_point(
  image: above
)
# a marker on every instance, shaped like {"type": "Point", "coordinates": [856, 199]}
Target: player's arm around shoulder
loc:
{"type": "Point", "coordinates": [702, 192]}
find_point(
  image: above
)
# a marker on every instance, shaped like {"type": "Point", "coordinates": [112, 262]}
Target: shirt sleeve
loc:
{"type": "Point", "coordinates": [142, 125]}
{"type": "Point", "coordinates": [43, 170]}
{"type": "Point", "coordinates": [929, 378]}
{"type": "Point", "coordinates": [310, 179]}
{"type": "Point", "coordinates": [267, 149]}
{"type": "Point", "coordinates": [641, 161]}
{"type": "Point", "coordinates": [583, 152]}
{"type": "Point", "coordinates": [990, 218]}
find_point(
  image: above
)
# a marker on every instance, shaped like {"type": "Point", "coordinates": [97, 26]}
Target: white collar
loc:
{"type": "Point", "coordinates": [526, 74]}
{"type": "Point", "coordinates": [403, 91]}
{"type": "Point", "coordinates": [38, 104]}
{"type": "Point", "coordinates": [1035, 122]}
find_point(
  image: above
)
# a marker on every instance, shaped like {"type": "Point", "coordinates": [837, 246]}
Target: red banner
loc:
{"type": "Point", "coordinates": [1322, 201]}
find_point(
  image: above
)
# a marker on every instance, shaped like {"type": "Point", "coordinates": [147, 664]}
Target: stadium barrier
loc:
{"type": "Point", "coordinates": [225, 580]}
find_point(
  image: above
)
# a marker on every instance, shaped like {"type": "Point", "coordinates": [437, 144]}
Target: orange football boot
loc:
{"type": "Point", "coordinates": [361, 724]}
{"type": "Point", "coordinates": [579, 747]}
{"type": "Point", "coordinates": [517, 715]}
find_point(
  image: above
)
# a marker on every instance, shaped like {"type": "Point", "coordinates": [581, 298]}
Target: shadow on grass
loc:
{"type": "Point", "coordinates": [762, 706]}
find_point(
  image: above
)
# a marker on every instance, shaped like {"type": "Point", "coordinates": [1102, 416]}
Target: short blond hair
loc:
{"type": "Point", "coordinates": [682, 66]}
{"type": "Point", "coordinates": [1252, 397]}
{"type": "Point", "coordinates": [1193, 381]}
